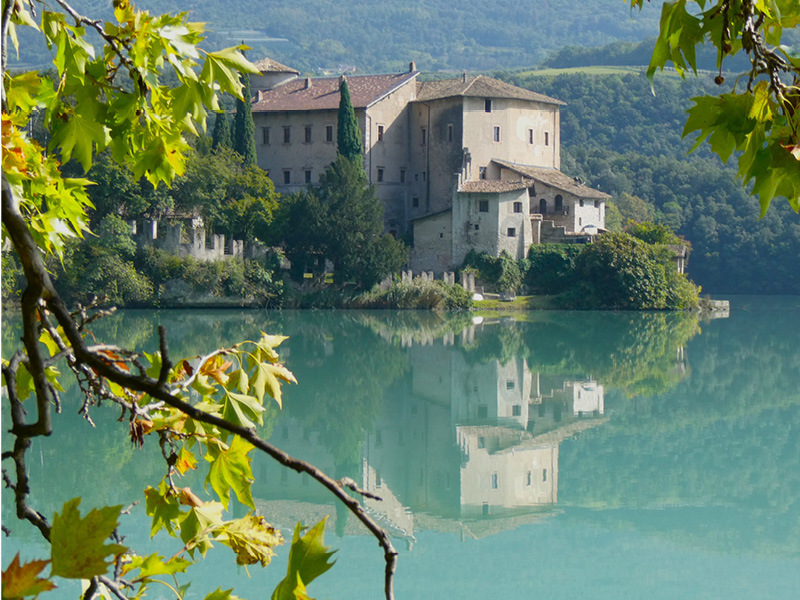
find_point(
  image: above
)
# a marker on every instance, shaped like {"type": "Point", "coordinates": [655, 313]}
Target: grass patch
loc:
{"type": "Point", "coordinates": [521, 303]}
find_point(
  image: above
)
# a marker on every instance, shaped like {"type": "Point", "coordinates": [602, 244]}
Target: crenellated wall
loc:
{"type": "Point", "coordinates": [183, 241]}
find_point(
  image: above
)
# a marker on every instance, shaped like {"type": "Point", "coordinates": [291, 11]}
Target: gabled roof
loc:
{"type": "Point", "coordinates": [479, 86]}
{"type": "Point", "coordinates": [491, 186]}
{"type": "Point", "coordinates": [267, 65]}
{"type": "Point", "coordinates": [323, 93]}
{"type": "Point", "coordinates": [554, 178]}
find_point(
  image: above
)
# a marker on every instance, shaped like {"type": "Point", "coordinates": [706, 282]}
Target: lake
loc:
{"type": "Point", "coordinates": [543, 455]}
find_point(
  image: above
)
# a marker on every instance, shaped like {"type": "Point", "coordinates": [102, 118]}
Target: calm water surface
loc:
{"type": "Point", "coordinates": [552, 455]}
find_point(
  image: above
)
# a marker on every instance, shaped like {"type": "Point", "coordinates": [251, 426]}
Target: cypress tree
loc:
{"type": "Point", "coordinates": [222, 132]}
{"type": "Point", "coordinates": [349, 141]}
{"type": "Point", "coordinates": [244, 131]}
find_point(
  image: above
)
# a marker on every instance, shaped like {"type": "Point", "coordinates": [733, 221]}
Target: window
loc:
{"type": "Point", "coordinates": [517, 207]}
{"type": "Point", "coordinates": [328, 133]}
{"type": "Point", "coordinates": [308, 134]}
{"type": "Point", "coordinates": [477, 227]}
{"type": "Point", "coordinates": [512, 232]}
{"type": "Point", "coordinates": [544, 474]}
{"type": "Point", "coordinates": [287, 135]}
{"type": "Point", "coordinates": [482, 172]}
{"type": "Point", "coordinates": [496, 137]}
{"type": "Point", "coordinates": [559, 203]}
{"type": "Point", "coordinates": [529, 478]}
{"type": "Point", "coordinates": [581, 203]}
{"type": "Point", "coordinates": [543, 206]}
{"type": "Point", "coordinates": [416, 176]}
{"type": "Point", "coordinates": [265, 136]}
{"type": "Point", "coordinates": [380, 174]}
{"type": "Point", "coordinates": [424, 136]}
{"type": "Point", "coordinates": [546, 138]}
{"type": "Point", "coordinates": [495, 481]}
{"type": "Point", "coordinates": [510, 384]}
{"type": "Point", "coordinates": [530, 136]}
{"type": "Point", "coordinates": [380, 133]}
{"type": "Point", "coordinates": [424, 176]}
{"type": "Point", "coordinates": [287, 176]}
{"type": "Point", "coordinates": [487, 105]}
{"type": "Point", "coordinates": [597, 203]}
{"type": "Point", "coordinates": [481, 442]}
{"type": "Point", "coordinates": [415, 202]}
{"type": "Point", "coordinates": [483, 206]}
{"type": "Point", "coordinates": [402, 175]}
{"type": "Point", "coordinates": [449, 132]}
{"type": "Point", "coordinates": [516, 410]}
{"type": "Point", "coordinates": [308, 175]}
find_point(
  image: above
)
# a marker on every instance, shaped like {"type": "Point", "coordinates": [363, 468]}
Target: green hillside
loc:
{"type": "Point", "coordinates": [378, 36]}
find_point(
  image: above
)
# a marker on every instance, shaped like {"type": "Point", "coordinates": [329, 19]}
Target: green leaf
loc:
{"type": "Point", "coordinates": [230, 470]}
{"type": "Point", "coordinates": [78, 544]}
{"type": "Point", "coordinates": [221, 594]}
{"type": "Point", "coordinates": [156, 564]}
{"type": "Point", "coordinates": [164, 508]}
{"type": "Point", "coordinates": [308, 559]}
{"type": "Point", "coordinates": [199, 525]}
{"type": "Point", "coordinates": [266, 379]}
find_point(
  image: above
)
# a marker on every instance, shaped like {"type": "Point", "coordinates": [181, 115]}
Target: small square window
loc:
{"type": "Point", "coordinates": [510, 384]}
{"type": "Point", "coordinates": [380, 133]}
{"type": "Point", "coordinates": [380, 174]}
{"type": "Point", "coordinates": [581, 202]}
{"type": "Point", "coordinates": [265, 136]}
{"type": "Point", "coordinates": [308, 175]}
{"type": "Point", "coordinates": [308, 134]}
{"type": "Point", "coordinates": [449, 132]}
{"type": "Point", "coordinates": [402, 175]}
{"type": "Point", "coordinates": [546, 138]}
{"type": "Point", "coordinates": [512, 232]}
{"type": "Point", "coordinates": [597, 203]}
{"type": "Point", "coordinates": [483, 206]}
{"type": "Point", "coordinates": [287, 135]}
{"type": "Point", "coordinates": [328, 133]}
{"type": "Point", "coordinates": [530, 136]}
{"type": "Point", "coordinates": [487, 105]}
{"type": "Point", "coordinates": [477, 227]}
{"type": "Point", "coordinates": [287, 177]}
{"type": "Point", "coordinates": [415, 202]}
{"type": "Point", "coordinates": [482, 172]}
{"type": "Point", "coordinates": [517, 207]}
{"type": "Point", "coordinates": [496, 134]}
{"type": "Point", "coordinates": [516, 410]}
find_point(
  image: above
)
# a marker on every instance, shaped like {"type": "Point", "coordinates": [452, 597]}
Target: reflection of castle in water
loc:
{"type": "Point", "coordinates": [460, 441]}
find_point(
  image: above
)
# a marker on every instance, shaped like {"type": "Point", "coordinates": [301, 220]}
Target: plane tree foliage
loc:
{"type": "Point", "coordinates": [758, 121]}
{"type": "Point", "coordinates": [109, 94]}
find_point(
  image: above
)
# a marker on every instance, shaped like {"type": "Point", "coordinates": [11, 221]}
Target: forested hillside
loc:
{"type": "Point", "coordinates": [376, 36]}
{"type": "Point", "coordinates": [627, 142]}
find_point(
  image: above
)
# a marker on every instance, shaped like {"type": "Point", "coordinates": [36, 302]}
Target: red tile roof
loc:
{"type": "Point", "coordinates": [554, 178]}
{"type": "Point", "coordinates": [491, 186]}
{"type": "Point", "coordinates": [480, 86]}
{"type": "Point", "coordinates": [323, 93]}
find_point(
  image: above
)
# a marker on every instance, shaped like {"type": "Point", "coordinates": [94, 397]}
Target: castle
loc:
{"type": "Point", "coordinates": [465, 163]}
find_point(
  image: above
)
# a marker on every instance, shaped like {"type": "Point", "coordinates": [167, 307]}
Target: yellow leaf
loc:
{"type": "Point", "coordinates": [23, 580]}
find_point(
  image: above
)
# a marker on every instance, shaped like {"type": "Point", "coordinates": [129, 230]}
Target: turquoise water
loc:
{"type": "Point", "coordinates": [551, 455]}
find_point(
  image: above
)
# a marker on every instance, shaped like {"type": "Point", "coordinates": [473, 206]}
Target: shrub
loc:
{"type": "Point", "coordinates": [417, 295]}
{"type": "Point", "coordinates": [502, 272]}
{"type": "Point", "coordinates": [552, 268]}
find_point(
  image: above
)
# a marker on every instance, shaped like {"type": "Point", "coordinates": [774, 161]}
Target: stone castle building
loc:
{"type": "Point", "coordinates": [465, 163]}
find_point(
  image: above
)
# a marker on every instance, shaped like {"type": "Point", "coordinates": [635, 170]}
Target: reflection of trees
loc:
{"type": "Point", "coordinates": [728, 441]}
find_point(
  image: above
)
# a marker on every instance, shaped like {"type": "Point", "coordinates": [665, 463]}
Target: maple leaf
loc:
{"type": "Point", "coordinates": [78, 548]}
{"type": "Point", "coordinates": [23, 580]}
{"type": "Point", "coordinates": [231, 471]}
{"type": "Point", "coordinates": [308, 559]}
{"type": "Point", "coordinates": [252, 539]}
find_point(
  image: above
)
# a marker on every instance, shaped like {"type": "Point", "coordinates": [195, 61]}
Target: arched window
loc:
{"type": "Point", "coordinates": [543, 206]}
{"type": "Point", "coordinates": [559, 203]}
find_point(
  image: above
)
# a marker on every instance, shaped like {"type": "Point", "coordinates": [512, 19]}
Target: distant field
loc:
{"type": "Point", "coordinates": [601, 70]}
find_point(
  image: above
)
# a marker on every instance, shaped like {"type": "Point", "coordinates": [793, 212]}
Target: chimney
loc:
{"type": "Point", "coordinates": [308, 83]}
{"type": "Point", "coordinates": [258, 96]}
{"type": "Point", "coordinates": [412, 66]}
{"type": "Point", "coordinates": [464, 77]}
